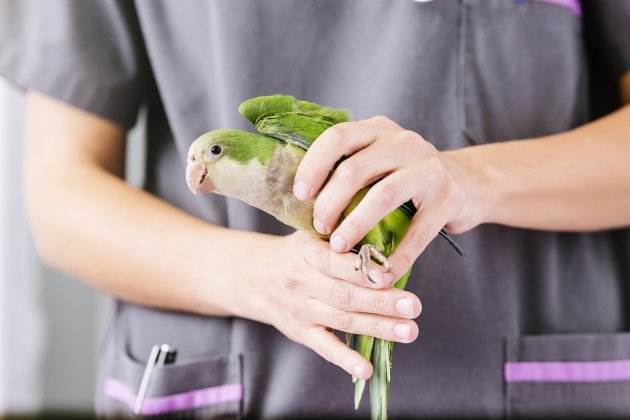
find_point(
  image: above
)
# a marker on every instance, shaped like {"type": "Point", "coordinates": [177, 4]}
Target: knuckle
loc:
{"type": "Point", "coordinates": [411, 135]}
{"type": "Point", "coordinates": [290, 334]}
{"type": "Point", "coordinates": [351, 227]}
{"type": "Point", "coordinates": [327, 354]}
{"type": "Point", "coordinates": [381, 119]}
{"type": "Point", "coordinates": [400, 139]}
{"type": "Point", "coordinates": [292, 308]}
{"type": "Point", "coordinates": [387, 194]}
{"type": "Point", "coordinates": [426, 145]}
{"type": "Point", "coordinates": [379, 303]}
{"type": "Point", "coordinates": [336, 134]}
{"type": "Point", "coordinates": [377, 327]}
{"type": "Point", "coordinates": [407, 261]}
{"type": "Point", "coordinates": [295, 330]}
{"type": "Point", "coordinates": [454, 191]}
{"type": "Point", "coordinates": [341, 295]}
{"type": "Point", "coordinates": [322, 207]}
{"type": "Point", "coordinates": [420, 238]}
{"type": "Point", "coordinates": [348, 170]}
{"type": "Point", "coordinates": [302, 238]}
{"type": "Point", "coordinates": [434, 164]}
{"type": "Point", "coordinates": [294, 334]}
{"type": "Point", "coordinates": [342, 320]}
{"type": "Point", "coordinates": [321, 257]}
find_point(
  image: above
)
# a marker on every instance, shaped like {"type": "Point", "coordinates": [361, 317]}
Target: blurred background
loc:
{"type": "Point", "coordinates": [50, 323]}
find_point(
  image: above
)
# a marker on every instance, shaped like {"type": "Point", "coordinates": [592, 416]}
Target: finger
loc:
{"type": "Point", "coordinates": [330, 347]}
{"type": "Point", "coordinates": [424, 228]}
{"type": "Point", "coordinates": [348, 297]}
{"type": "Point", "coordinates": [386, 328]}
{"type": "Point", "coordinates": [339, 140]}
{"type": "Point", "coordinates": [354, 173]}
{"type": "Point", "coordinates": [322, 258]}
{"type": "Point", "coordinates": [383, 198]}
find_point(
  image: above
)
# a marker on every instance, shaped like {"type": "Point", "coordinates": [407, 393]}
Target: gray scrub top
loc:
{"type": "Point", "coordinates": [527, 323]}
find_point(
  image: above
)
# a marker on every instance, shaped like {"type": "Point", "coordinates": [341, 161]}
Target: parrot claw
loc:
{"type": "Point", "coordinates": [366, 253]}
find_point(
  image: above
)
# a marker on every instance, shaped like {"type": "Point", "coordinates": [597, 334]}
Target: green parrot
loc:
{"type": "Point", "coordinates": [259, 169]}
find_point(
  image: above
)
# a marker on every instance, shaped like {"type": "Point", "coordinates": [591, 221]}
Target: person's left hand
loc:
{"type": "Point", "coordinates": [406, 166]}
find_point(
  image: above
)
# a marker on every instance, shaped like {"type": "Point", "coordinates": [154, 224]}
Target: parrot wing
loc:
{"type": "Point", "coordinates": [297, 129]}
{"type": "Point", "coordinates": [288, 119]}
{"type": "Point", "coordinates": [300, 123]}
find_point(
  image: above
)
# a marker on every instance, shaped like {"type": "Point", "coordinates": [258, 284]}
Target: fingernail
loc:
{"type": "Point", "coordinates": [338, 243]}
{"type": "Point", "coordinates": [388, 279]}
{"type": "Point", "coordinates": [404, 307]}
{"type": "Point", "coordinates": [319, 226]}
{"type": "Point", "coordinates": [402, 331]}
{"type": "Point", "coordinates": [358, 371]}
{"type": "Point", "coordinates": [301, 190]}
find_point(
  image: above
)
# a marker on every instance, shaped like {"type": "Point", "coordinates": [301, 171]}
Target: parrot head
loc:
{"type": "Point", "coordinates": [221, 160]}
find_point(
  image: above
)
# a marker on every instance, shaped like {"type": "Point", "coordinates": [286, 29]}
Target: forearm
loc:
{"type": "Point", "coordinates": [573, 181]}
{"type": "Point", "coordinates": [141, 250]}
{"type": "Point", "coordinates": [87, 221]}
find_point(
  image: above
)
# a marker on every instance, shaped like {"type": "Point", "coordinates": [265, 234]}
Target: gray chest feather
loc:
{"type": "Point", "coordinates": [279, 195]}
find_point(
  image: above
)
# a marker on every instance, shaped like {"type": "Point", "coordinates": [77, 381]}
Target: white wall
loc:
{"type": "Point", "coordinates": [22, 317]}
{"type": "Point", "coordinates": [49, 323]}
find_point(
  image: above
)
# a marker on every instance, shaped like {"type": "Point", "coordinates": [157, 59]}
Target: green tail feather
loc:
{"type": "Point", "coordinates": [362, 344]}
{"type": "Point", "coordinates": [379, 382]}
{"type": "Point", "coordinates": [380, 353]}
{"type": "Point", "coordinates": [359, 386]}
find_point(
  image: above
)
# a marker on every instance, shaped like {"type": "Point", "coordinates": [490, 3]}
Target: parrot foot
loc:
{"type": "Point", "coordinates": [366, 253]}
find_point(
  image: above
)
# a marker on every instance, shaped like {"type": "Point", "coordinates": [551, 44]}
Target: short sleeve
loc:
{"type": "Point", "coordinates": [89, 54]}
{"type": "Point", "coordinates": [608, 26]}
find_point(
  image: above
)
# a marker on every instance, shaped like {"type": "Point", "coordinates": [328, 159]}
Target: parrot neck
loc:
{"type": "Point", "coordinates": [269, 186]}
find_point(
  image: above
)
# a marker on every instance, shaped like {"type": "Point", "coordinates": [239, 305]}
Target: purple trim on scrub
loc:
{"type": "Point", "coordinates": [597, 371]}
{"type": "Point", "coordinates": [186, 400]}
{"type": "Point", "coordinates": [574, 5]}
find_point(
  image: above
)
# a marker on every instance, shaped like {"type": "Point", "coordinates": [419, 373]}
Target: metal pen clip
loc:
{"type": "Point", "coordinates": [161, 354]}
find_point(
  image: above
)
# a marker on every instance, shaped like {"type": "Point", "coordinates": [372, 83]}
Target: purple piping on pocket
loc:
{"type": "Point", "coordinates": [574, 5]}
{"type": "Point", "coordinates": [599, 371]}
{"type": "Point", "coordinates": [186, 400]}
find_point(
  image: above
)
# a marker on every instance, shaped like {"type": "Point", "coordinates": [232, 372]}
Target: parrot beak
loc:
{"type": "Point", "coordinates": [197, 177]}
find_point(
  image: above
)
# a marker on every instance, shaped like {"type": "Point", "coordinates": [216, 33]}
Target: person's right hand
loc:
{"type": "Point", "coordinates": [305, 289]}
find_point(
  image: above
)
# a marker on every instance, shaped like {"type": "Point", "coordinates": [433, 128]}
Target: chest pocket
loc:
{"type": "Point", "coordinates": [568, 376]}
{"type": "Point", "coordinates": [521, 70]}
{"type": "Point", "coordinates": [204, 381]}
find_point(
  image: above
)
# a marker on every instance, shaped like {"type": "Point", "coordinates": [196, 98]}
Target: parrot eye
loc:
{"type": "Point", "coordinates": [214, 152]}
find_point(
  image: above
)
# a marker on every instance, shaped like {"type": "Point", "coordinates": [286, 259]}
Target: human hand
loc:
{"type": "Point", "coordinates": [304, 289]}
{"type": "Point", "coordinates": [406, 166]}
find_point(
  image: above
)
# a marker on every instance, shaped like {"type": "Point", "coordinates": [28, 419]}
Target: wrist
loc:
{"type": "Point", "coordinates": [483, 183]}
{"type": "Point", "coordinates": [235, 280]}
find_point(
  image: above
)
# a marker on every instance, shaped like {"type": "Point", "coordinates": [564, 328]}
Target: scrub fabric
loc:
{"type": "Point", "coordinates": [458, 72]}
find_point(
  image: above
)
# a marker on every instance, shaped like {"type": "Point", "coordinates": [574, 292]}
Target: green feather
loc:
{"type": "Point", "coordinates": [379, 382]}
{"type": "Point", "coordinates": [239, 145]}
{"type": "Point", "coordinates": [297, 129]}
{"type": "Point", "coordinates": [263, 106]}
{"type": "Point", "coordinates": [385, 236]}
{"type": "Point", "coordinates": [363, 345]}
{"type": "Point", "coordinates": [281, 118]}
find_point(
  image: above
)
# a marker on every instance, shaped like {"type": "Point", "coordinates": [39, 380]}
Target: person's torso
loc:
{"type": "Point", "coordinates": [459, 73]}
